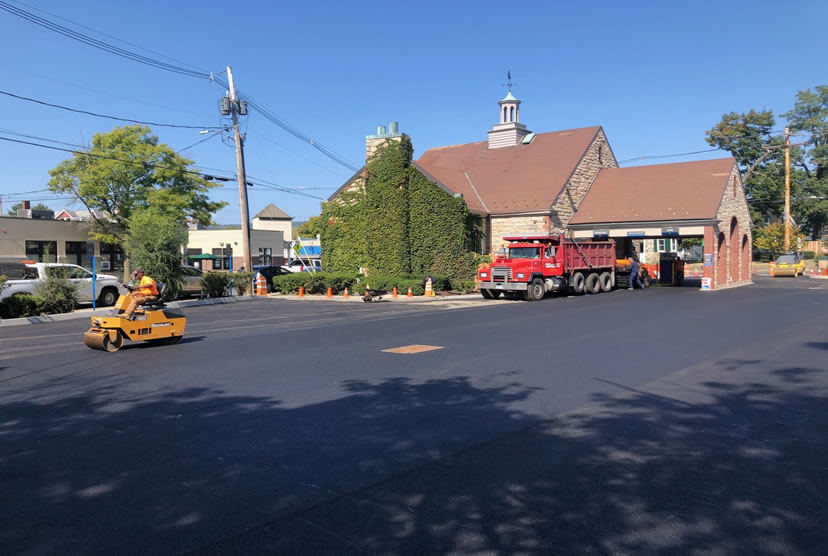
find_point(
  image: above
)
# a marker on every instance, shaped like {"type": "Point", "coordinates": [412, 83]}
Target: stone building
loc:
{"type": "Point", "coordinates": [520, 182]}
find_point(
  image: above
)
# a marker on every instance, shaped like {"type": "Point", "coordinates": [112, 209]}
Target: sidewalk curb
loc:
{"type": "Point", "coordinates": [86, 313]}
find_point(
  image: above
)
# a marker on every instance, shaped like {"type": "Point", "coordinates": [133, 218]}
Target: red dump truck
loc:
{"type": "Point", "coordinates": [535, 265]}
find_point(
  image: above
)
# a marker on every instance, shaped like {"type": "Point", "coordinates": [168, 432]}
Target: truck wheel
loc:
{"type": "Point", "coordinates": [576, 283]}
{"type": "Point", "coordinates": [108, 297]}
{"type": "Point", "coordinates": [535, 290]}
{"type": "Point", "coordinates": [606, 282]}
{"type": "Point", "coordinates": [592, 284]}
{"type": "Point", "coordinates": [489, 294]}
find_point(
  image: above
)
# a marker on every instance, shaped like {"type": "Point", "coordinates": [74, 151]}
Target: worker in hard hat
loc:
{"type": "Point", "coordinates": [141, 288]}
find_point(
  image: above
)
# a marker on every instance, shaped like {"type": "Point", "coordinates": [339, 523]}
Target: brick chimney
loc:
{"type": "Point", "coordinates": [372, 142]}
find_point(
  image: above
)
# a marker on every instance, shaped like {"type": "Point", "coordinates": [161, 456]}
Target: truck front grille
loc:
{"type": "Point", "coordinates": [501, 274]}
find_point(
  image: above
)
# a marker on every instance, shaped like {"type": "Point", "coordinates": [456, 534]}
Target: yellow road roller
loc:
{"type": "Point", "coordinates": [152, 322]}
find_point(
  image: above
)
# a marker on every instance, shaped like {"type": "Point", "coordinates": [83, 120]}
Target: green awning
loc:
{"type": "Point", "coordinates": [207, 256]}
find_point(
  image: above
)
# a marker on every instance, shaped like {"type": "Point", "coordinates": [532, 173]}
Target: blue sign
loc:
{"type": "Point", "coordinates": [708, 259]}
{"type": "Point", "coordinates": [635, 234]}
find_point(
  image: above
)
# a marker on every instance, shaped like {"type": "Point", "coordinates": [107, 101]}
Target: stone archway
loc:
{"type": "Point", "coordinates": [734, 251]}
{"type": "Point", "coordinates": [721, 262]}
{"type": "Point", "coordinates": [745, 258]}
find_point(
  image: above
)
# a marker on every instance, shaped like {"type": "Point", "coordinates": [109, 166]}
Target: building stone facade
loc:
{"type": "Point", "coordinates": [598, 155]}
{"type": "Point", "coordinates": [730, 240]}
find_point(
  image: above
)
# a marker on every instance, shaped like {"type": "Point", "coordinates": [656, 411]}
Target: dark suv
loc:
{"type": "Point", "coordinates": [269, 271]}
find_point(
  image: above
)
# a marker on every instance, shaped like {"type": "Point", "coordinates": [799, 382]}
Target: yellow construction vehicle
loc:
{"type": "Point", "coordinates": [152, 322]}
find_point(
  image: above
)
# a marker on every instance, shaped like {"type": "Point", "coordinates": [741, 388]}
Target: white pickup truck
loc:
{"type": "Point", "coordinates": [26, 279]}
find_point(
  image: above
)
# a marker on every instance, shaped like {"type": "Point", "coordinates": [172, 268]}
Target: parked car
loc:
{"type": "Point", "coordinates": [192, 281]}
{"type": "Point", "coordinates": [789, 264]}
{"type": "Point", "coordinates": [301, 266]}
{"type": "Point", "coordinates": [27, 278]}
{"type": "Point", "coordinates": [269, 271]}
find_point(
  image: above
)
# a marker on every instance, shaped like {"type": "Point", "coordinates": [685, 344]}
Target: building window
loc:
{"type": "Point", "coordinates": [512, 114]}
{"type": "Point", "coordinates": [218, 264]}
{"type": "Point", "coordinates": [112, 257]}
{"type": "Point", "coordinates": [265, 256]}
{"type": "Point", "coordinates": [76, 254]}
{"type": "Point", "coordinates": [665, 245]}
{"type": "Point", "coordinates": [41, 251]}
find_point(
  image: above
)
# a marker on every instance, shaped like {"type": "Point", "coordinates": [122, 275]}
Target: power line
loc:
{"type": "Point", "coordinates": [79, 111]}
{"type": "Point", "coordinates": [100, 45]}
{"type": "Point", "coordinates": [106, 35]}
{"type": "Point", "coordinates": [264, 111]}
{"type": "Point", "coordinates": [112, 49]}
{"type": "Point", "coordinates": [148, 165]}
{"type": "Point", "coordinates": [647, 157]}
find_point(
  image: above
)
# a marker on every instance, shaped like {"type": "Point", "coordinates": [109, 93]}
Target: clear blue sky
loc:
{"type": "Point", "coordinates": [656, 75]}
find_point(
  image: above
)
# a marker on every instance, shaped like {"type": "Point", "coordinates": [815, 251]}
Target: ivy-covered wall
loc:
{"type": "Point", "coordinates": [394, 221]}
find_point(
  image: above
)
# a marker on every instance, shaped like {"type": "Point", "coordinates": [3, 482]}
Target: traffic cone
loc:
{"type": "Point", "coordinates": [301, 291]}
{"type": "Point", "coordinates": [410, 293]}
{"type": "Point", "coordinates": [330, 292]}
{"type": "Point", "coordinates": [812, 272]}
{"type": "Point", "coordinates": [394, 294]}
{"type": "Point", "coordinates": [429, 291]}
{"type": "Point", "coordinates": [261, 284]}
{"type": "Point", "coordinates": [345, 295]}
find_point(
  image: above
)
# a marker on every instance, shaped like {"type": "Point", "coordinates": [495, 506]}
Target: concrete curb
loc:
{"type": "Point", "coordinates": [86, 313]}
{"type": "Point", "coordinates": [353, 298]}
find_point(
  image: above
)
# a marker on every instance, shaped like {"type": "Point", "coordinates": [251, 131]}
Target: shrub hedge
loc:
{"type": "Point", "coordinates": [320, 282]}
{"type": "Point", "coordinates": [19, 305]}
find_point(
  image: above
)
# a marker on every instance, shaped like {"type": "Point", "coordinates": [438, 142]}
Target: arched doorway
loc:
{"type": "Point", "coordinates": [745, 258]}
{"type": "Point", "coordinates": [734, 250]}
{"type": "Point", "coordinates": [721, 263]}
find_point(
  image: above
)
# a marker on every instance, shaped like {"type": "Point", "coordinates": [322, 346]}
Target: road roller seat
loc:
{"type": "Point", "coordinates": [159, 302]}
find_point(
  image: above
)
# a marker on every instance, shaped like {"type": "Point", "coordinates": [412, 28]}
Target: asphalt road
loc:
{"type": "Point", "coordinates": [657, 421]}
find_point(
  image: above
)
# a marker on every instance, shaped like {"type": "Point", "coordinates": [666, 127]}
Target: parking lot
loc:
{"type": "Point", "coordinates": [630, 422]}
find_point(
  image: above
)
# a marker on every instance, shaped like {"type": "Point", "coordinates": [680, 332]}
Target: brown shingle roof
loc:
{"type": "Point", "coordinates": [510, 179]}
{"type": "Point", "coordinates": [680, 191]}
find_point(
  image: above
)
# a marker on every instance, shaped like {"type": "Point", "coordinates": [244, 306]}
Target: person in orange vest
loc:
{"type": "Point", "coordinates": [144, 291]}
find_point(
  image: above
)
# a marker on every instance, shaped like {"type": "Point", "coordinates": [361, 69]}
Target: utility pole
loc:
{"type": "Point", "coordinates": [245, 221]}
{"type": "Point", "coordinates": [787, 190]}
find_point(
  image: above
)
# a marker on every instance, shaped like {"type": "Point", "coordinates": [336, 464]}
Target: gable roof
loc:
{"type": "Point", "coordinates": [679, 191]}
{"type": "Point", "coordinates": [271, 211]}
{"type": "Point", "coordinates": [509, 179]}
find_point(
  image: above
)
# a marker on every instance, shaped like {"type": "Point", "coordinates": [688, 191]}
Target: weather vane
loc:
{"type": "Point", "coordinates": [508, 83]}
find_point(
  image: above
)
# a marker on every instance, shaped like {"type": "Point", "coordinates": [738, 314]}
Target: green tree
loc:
{"type": "Point", "coordinates": [13, 209]}
{"type": "Point", "coordinates": [127, 170]}
{"type": "Point", "coordinates": [748, 138]}
{"type": "Point", "coordinates": [809, 117]}
{"type": "Point", "coordinates": [761, 158]}
{"type": "Point", "coordinates": [311, 228]}
{"type": "Point", "coordinates": [154, 241]}
{"type": "Point", "coordinates": [772, 237]}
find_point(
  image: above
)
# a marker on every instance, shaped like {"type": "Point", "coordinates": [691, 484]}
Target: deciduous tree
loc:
{"type": "Point", "coordinates": [128, 169]}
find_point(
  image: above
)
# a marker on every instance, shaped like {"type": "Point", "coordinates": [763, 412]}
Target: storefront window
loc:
{"type": "Point", "coordinates": [41, 251]}
{"type": "Point", "coordinates": [265, 256]}
{"type": "Point", "coordinates": [76, 254]}
{"type": "Point", "coordinates": [218, 264]}
{"type": "Point", "coordinates": [112, 258]}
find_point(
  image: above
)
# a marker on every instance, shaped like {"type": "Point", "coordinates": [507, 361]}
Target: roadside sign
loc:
{"type": "Point", "coordinates": [705, 283]}
{"type": "Point", "coordinates": [708, 259]}
{"type": "Point", "coordinates": [799, 243]}
{"type": "Point", "coordinates": [90, 248]}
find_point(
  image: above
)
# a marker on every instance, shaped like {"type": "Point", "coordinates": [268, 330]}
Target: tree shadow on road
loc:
{"type": "Point", "coordinates": [404, 467]}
